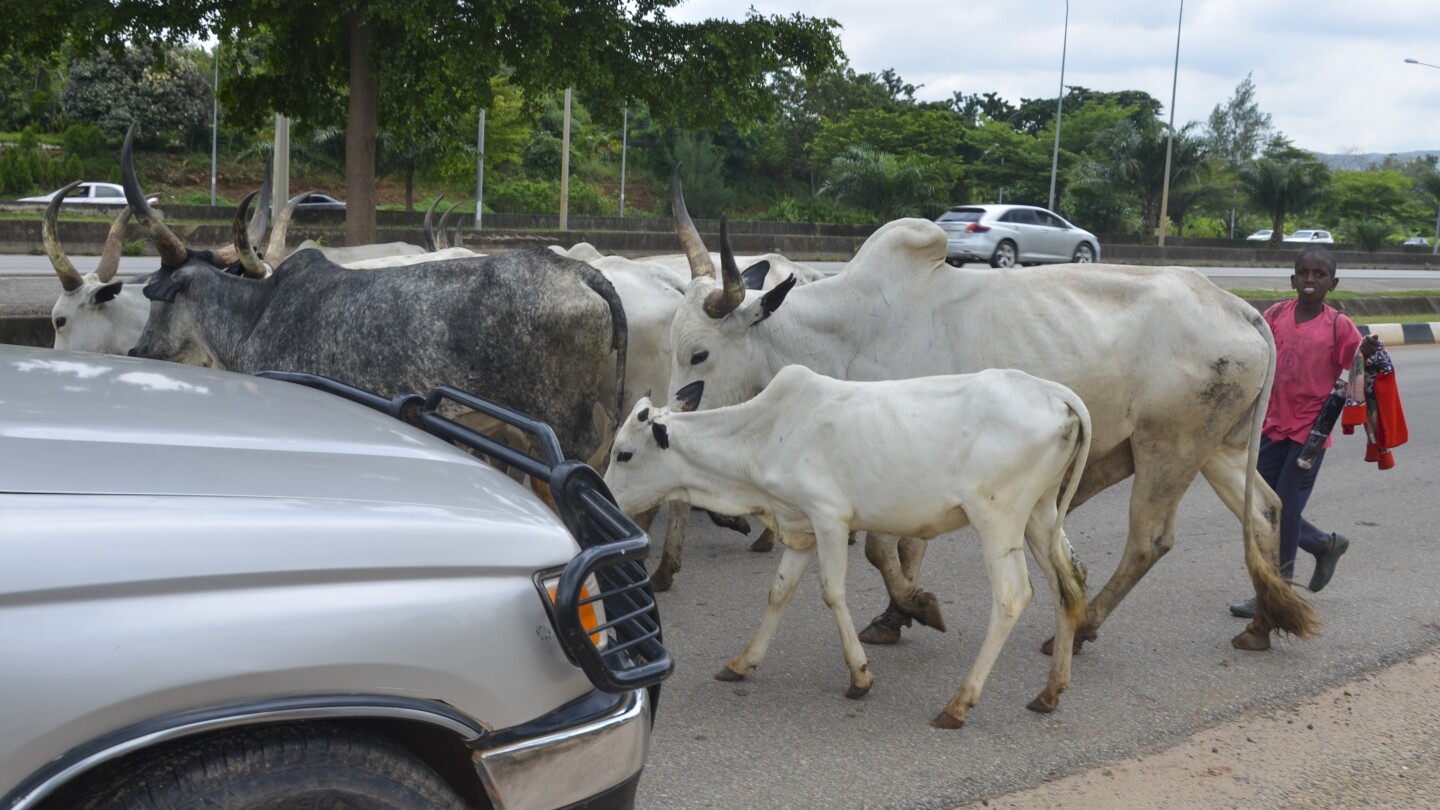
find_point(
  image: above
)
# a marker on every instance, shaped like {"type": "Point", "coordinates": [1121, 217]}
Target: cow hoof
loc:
{"type": "Point", "coordinates": [1043, 704]}
{"type": "Point", "coordinates": [765, 542]}
{"type": "Point", "coordinates": [927, 611]}
{"type": "Point", "coordinates": [661, 580]}
{"type": "Point", "coordinates": [1254, 642]}
{"type": "Point", "coordinates": [945, 721]}
{"type": "Point", "coordinates": [729, 675]}
{"type": "Point", "coordinates": [734, 524]}
{"type": "Point", "coordinates": [857, 692]}
{"type": "Point", "coordinates": [878, 633]}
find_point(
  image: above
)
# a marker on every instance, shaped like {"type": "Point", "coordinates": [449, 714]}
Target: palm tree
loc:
{"type": "Point", "coordinates": [1427, 188]}
{"type": "Point", "coordinates": [1284, 180]}
{"type": "Point", "coordinates": [1132, 160]}
{"type": "Point", "coordinates": [887, 185]}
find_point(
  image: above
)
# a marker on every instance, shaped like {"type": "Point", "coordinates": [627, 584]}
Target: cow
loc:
{"type": "Point", "coordinates": [528, 329]}
{"type": "Point", "coordinates": [1175, 371]}
{"type": "Point", "coordinates": [992, 449]}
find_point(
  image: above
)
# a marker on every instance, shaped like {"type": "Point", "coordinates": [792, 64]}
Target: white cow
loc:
{"type": "Point", "coordinates": [991, 450]}
{"type": "Point", "coordinates": [1175, 371]}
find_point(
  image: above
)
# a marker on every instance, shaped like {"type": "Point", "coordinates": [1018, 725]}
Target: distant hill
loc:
{"type": "Point", "coordinates": [1358, 162]}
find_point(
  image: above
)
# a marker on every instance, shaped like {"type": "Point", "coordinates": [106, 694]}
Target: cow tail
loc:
{"type": "Point", "coordinates": [619, 336]}
{"type": "Point", "coordinates": [1277, 605]}
{"type": "Point", "coordinates": [1070, 571]}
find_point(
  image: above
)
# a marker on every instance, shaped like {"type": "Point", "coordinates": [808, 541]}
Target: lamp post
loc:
{"type": "Point", "coordinates": [1059, 105]}
{"type": "Point", "coordinates": [1170, 137]}
{"type": "Point", "coordinates": [1435, 249]}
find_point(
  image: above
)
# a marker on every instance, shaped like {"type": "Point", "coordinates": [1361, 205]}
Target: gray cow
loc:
{"type": "Point", "coordinates": [528, 329]}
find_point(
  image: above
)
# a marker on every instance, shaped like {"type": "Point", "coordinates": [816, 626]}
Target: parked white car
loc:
{"type": "Point", "coordinates": [1260, 236]}
{"type": "Point", "coordinates": [1007, 235]}
{"type": "Point", "coordinates": [1310, 237]}
{"type": "Point", "coordinates": [239, 592]}
{"type": "Point", "coordinates": [1417, 241]}
{"type": "Point", "coordinates": [87, 194]}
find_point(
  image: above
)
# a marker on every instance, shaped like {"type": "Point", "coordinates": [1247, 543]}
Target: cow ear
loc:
{"type": "Point", "coordinates": [165, 287]}
{"type": "Point", "coordinates": [771, 301]}
{"type": "Point", "coordinates": [689, 395]}
{"type": "Point", "coordinates": [107, 292]}
{"type": "Point", "coordinates": [662, 436]}
{"type": "Point", "coordinates": [755, 274]}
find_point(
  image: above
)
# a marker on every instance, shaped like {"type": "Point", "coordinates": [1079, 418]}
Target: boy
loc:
{"type": "Point", "coordinates": [1314, 343]}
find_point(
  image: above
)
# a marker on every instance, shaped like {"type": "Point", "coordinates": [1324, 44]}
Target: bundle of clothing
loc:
{"type": "Point", "coordinates": [1373, 402]}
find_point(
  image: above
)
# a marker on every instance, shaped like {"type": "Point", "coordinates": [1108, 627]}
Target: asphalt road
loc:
{"type": "Point", "coordinates": [1162, 668]}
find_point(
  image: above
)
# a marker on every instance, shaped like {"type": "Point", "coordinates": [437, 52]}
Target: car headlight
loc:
{"type": "Point", "coordinates": [592, 607]}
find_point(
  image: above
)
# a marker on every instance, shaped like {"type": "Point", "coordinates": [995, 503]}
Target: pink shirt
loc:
{"type": "Point", "coordinates": [1308, 358]}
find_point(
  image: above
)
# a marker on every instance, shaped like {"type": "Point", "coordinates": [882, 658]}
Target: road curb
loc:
{"type": "Point", "coordinates": [1403, 334]}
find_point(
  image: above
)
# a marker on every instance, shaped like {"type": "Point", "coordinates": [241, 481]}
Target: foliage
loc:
{"type": "Point", "coordinates": [1237, 128]}
{"type": "Point", "coordinates": [1282, 181]}
{"type": "Point", "coordinates": [1203, 227]}
{"type": "Point", "coordinates": [1356, 196]}
{"type": "Point", "coordinates": [166, 93]}
{"type": "Point", "coordinates": [519, 196]}
{"type": "Point", "coordinates": [30, 91]}
{"type": "Point", "coordinates": [1369, 233]}
{"type": "Point", "coordinates": [814, 209]}
{"type": "Point", "coordinates": [1130, 159]}
{"type": "Point", "coordinates": [889, 186]}
{"type": "Point", "coordinates": [23, 169]}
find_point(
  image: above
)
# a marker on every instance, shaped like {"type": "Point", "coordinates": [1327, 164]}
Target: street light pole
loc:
{"type": "Point", "coordinates": [1059, 106]}
{"type": "Point", "coordinates": [1435, 249]}
{"type": "Point", "coordinates": [1170, 137]}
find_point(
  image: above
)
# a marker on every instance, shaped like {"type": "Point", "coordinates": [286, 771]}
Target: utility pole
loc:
{"type": "Point", "coordinates": [624, 140]}
{"type": "Point", "coordinates": [565, 166]}
{"type": "Point", "coordinates": [280, 178]}
{"type": "Point", "coordinates": [1170, 140]}
{"type": "Point", "coordinates": [214, 122]}
{"type": "Point", "coordinates": [480, 170]}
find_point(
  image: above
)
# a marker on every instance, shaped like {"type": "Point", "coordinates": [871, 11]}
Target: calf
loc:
{"type": "Point", "coordinates": [991, 449]}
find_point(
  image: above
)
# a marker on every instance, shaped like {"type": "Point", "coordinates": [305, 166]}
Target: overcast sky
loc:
{"type": "Point", "coordinates": [1331, 73]}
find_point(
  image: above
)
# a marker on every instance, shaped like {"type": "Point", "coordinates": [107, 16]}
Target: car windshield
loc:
{"type": "Point", "coordinates": [962, 215]}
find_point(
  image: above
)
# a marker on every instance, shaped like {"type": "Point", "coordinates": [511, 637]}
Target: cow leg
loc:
{"type": "Point", "coordinates": [674, 549]}
{"type": "Point", "coordinates": [1040, 536]}
{"type": "Point", "coordinates": [787, 578]}
{"type": "Point", "coordinates": [1277, 605]}
{"type": "Point", "coordinates": [1002, 541]}
{"type": "Point", "coordinates": [765, 542]}
{"type": "Point", "coordinates": [830, 547]}
{"type": "Point", "coordinates": [898, 561]}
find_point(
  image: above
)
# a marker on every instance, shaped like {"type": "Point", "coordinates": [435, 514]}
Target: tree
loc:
{"type": "Point", "coordinates": [890, 186]}
{"type": "Point", "coordinates": [1284, 180]}
{"type": "Point", "coordinates": [1237, 129]}
{"type": "Point", "coordinates": [364, 61]}
{"type": "Point", "coordinates": [1129, 158]}
{"type": "Point", "coordinates": [168, 95]}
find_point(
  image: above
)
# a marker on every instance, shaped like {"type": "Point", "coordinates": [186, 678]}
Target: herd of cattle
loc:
{"type": "Point", "coordinates": [902, 397]}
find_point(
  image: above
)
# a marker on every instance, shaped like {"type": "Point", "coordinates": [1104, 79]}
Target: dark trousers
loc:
{"type": "Point", "coordinates": [1293, 485]}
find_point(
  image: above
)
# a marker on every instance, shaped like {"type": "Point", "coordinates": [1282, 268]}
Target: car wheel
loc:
{"type": "Point", "coordinates": [280, 766]}
{"type": "Point", "coordinates": [1084, 254]}
{"type": "Point", "coordinates": [955, 262]}
{"type": "Point", "coordinates": [1004, 255]}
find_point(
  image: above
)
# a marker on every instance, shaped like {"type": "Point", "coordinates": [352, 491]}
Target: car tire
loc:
{"type": "Point", "coordinates": [278, 766]}
{"type": "Point", "coordinates": [955, 262]}
{"type": "Point", "coordinates": [1083, 254]}
{"type": "Point", "coordinates": [1005, 255]}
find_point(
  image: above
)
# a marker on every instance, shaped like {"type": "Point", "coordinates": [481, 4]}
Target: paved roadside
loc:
{"type": "Point", "coordinates": [1371, 742]}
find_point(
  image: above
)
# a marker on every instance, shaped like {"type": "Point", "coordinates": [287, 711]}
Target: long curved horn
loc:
{"type": "Point", "coordinates": [70, 278]}
{"type": "Point", "coordinates": [173, 252]}
{"type": "Point", "coordinates": [114, 241]}
{"type": "Point", "coordinates": [275, 249]}
{"type": "Point", "coordinates": [254, 268]}
{"type": "Point", "coordinates": [261, 217]}
{"type": "Point", "coordinates": [445, 218]}
{"type": "Point", "coordinates": [700, 264]}
{"type": "Point", "coordinates": [724, 300]}
{"type": "Point", "coordinates": [429, 228]}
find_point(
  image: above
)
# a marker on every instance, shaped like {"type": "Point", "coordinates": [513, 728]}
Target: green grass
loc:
{"type": "Point", "coordinates": [1340, 294]}
{"type": "Point", "coordinates": [1432, 317]}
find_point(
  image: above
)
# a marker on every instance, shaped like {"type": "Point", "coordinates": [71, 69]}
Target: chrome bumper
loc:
{"type": "Point", "coordinates": [562, 768]}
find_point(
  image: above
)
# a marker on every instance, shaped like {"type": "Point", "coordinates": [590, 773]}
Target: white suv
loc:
{"type": "Point", "coordinates": [233, 592]}
{"type": "Point", "coordinates": [1007, 235]}
{"type": "Point", "coordinates": [1310, 237]}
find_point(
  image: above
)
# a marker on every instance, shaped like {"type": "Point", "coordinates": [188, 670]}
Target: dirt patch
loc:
{"type": "Point", "coordinates": [1373, 742]}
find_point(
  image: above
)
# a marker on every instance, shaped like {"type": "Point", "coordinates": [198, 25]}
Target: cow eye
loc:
{"type": "Point", "coordinates": [624, 455]}
{"type": "Point", "coordinates": [60, 322]}
{"type": "Point", "coordinates": [699, 357]}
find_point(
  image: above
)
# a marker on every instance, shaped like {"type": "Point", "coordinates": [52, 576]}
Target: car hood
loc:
{"type": "Point", "coordinates": [79, 423]}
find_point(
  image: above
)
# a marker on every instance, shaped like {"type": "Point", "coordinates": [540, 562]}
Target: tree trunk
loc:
{"type": "Point", "coordinates": [360, 138]}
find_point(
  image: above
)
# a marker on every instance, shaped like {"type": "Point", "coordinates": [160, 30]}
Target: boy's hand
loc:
{"type": "Point", "coordinates": [1370, 345]}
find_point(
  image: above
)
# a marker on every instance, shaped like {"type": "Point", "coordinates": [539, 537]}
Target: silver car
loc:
{"type": "Point", "coordinates": [1007, 235]}
{"type": "Point", "coordinates": [229, 591]}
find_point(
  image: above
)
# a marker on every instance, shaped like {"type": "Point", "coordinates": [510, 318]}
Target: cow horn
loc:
{"type": "Point", "coordinates": [110, 254]}
{"type": "Point", "coordinates": [171, 248]}
{"type": "Point", "coordinates": [275, 249]}
{"type": "Point", "coordinates": [724, 300]}
{"type": "Point", "coordinates": [429, 227]}
{"type": "Point", "coordinates": [254, 268]}
{"type": "Point", "coordinates": [700, 264]}
{"type": "Point", "coordinates": [70, 278]}
{"type": "Point", "coordinates": [261, 217]}
{"type": "Point", "coordinates": [444, 242]}
{"type": "Point", "coordinates": [457, 240]}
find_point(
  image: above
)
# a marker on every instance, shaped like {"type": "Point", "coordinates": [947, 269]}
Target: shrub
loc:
{"type": "Point", "coordinates": [520, 196]}
{"type": "Point", "coordinates": [1369, 233]}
